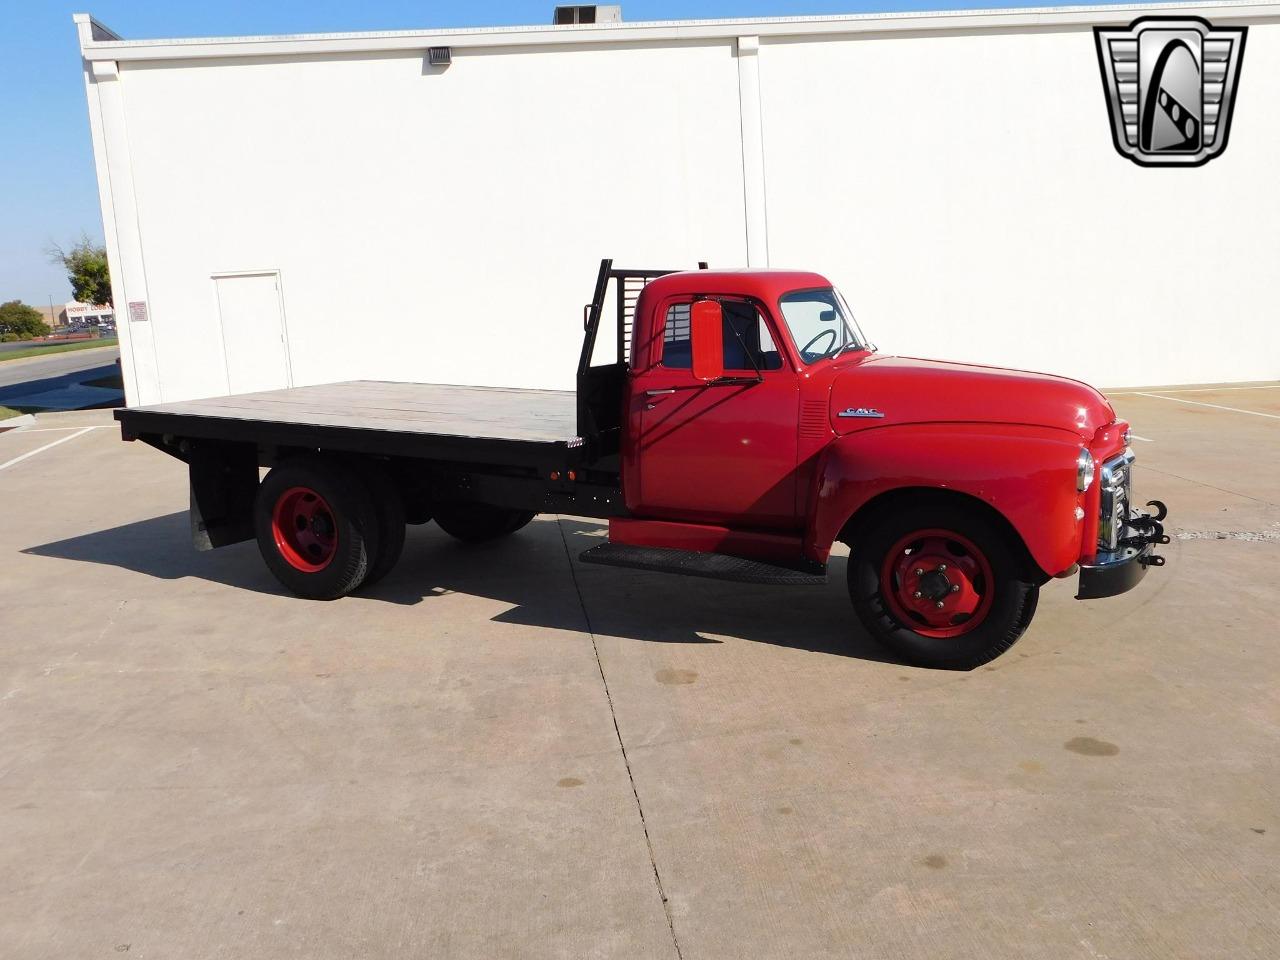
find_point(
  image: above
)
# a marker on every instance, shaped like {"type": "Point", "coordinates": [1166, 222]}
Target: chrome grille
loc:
{"type": "Point", "coordinates": [1116, 479]}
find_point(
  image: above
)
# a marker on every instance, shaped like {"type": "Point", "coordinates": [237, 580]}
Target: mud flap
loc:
{"type": "Point", "coordinates": [224, 483]}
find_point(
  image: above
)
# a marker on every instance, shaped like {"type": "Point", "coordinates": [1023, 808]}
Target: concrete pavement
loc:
{"type": "Point", "coordinates": [501, 752]}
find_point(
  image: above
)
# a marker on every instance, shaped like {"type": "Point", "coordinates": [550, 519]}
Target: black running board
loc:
{"type": "Point", "coordinates": [717, 566]}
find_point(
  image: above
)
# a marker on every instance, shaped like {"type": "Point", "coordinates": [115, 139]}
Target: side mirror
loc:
{"type": "Point", "coordinates": [706, 331]}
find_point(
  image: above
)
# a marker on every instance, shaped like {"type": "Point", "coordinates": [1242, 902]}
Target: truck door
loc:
{"type": "Point", "coordinates": [722, 452]}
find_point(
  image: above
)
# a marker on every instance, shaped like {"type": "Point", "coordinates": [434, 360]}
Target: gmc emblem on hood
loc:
{"type": "Point", "coordinates": [871, 412]}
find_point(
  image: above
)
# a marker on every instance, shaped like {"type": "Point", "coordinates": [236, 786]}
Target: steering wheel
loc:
{"type": "Point", "coordinates": [806, 350]}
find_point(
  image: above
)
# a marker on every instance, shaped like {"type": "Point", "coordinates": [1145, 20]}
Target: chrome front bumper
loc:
{"type": "Point", "coordinates": [1109, 574]}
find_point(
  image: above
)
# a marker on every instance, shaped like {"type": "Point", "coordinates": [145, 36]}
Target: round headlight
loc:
{"type": "Point", "coordinates": [1084, 470]}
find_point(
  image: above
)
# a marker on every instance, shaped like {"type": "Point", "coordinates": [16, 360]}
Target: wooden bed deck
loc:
{"type": "Point", "coordinates": [424, 409]}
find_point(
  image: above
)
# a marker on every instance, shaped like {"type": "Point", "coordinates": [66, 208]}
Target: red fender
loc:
{"type": "Point", "coordinates": [1028, 474]}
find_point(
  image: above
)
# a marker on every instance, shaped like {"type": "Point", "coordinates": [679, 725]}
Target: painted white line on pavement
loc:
{"type": "Point", "coordinates": [96, 426]}
{"type": "Point", "coordinates": [1216, 406]}
{"type": "Point", "coordinates": [47, 446]}
{"type": "Point", "coordinates": [1135, 393]}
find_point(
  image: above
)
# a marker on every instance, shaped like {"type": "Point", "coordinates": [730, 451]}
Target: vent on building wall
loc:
{"type": "Point", "coordinates": [439, 56]}
{"type": "Point", "coordinates": [592, 13]}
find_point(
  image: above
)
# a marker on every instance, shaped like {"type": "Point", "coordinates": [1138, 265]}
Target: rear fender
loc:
{"type": "Point", "coordinates": [1027, 474]}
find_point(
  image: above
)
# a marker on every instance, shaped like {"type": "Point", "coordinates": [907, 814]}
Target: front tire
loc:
{"type": "Point", "coordinates": [941, 585]}
{"type": "Point", "coordinates": [317, 527]}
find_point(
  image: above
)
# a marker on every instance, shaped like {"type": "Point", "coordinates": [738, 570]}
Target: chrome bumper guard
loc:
{"type": "Point", "coordinates": [1114, 573]}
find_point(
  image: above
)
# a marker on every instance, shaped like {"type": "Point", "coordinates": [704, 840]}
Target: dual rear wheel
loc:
{"type": "Point", "coordinates": [326, 527]}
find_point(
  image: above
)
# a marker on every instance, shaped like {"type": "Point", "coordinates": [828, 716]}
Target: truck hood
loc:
{"type": "Point", "coordinates": [910, 390]}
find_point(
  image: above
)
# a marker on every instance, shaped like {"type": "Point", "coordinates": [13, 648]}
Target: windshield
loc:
{"type": "Point", "coordinates": [821, 323]}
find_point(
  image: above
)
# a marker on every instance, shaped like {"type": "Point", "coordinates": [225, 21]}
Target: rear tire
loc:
{"type": "Point", "coordinates": [389, 506]}
{"type": "Point", "coordinates": [479, 522]}
{"type": "Point", "coordinates": [317, 527]}
{"type": "Point", "coordinates": [971, 601]}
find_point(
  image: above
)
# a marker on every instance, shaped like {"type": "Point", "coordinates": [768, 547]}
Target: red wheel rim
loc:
{"type": "Point", "coordinates": [304, 529]}
{"type": "Point", "coordinates": [937, 583]}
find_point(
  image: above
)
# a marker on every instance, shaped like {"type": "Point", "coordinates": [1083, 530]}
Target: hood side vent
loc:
{"type": "Point", "coordinates": [813, 420]}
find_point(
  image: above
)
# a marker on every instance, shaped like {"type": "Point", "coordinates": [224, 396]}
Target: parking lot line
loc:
{"type": "Point", "coordinates": [1216, 406]}
{"type": "Point", "coordinates": [1137, 393]}
{"type": "Point", "coordinates": [47, 446]}
{"type": "Point", "coordinates": [96, 426]}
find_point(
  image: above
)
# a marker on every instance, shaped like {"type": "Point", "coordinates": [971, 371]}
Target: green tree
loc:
{"type": "Point", "coordinates": [87, 270]}
{"type": "Point", "coordinates": [21, 322]}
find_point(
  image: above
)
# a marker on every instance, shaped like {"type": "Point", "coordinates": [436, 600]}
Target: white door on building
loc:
{"type": "Point", "coordinates": [253, 332]}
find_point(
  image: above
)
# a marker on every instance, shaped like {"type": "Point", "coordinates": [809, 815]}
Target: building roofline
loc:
{"type": "Point", "coordinates": [99, 43]}
{"type": "Point", "coordinates": [91, 31]}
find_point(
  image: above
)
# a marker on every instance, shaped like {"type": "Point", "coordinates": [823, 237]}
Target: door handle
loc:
{"type": "Point", "coordinates": [655, 397]}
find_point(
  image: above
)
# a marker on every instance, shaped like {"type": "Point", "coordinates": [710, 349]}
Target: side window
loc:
{"type": "Point", "coordinates": [677, 349]}
{"type": "Point", "coordinates": [746, 338]}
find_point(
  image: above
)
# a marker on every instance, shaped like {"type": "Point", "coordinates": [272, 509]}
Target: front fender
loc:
{"type": "Point", "coordinates": [1027, 474]}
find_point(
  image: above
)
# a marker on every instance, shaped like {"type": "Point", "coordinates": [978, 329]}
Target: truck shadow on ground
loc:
{"type": "Point", "coordinates": [529, 572]}
{"type": "Point", "coordinates": [160, 547]}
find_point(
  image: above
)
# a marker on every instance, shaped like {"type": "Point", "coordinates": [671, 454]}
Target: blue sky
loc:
{"type": "Point", "coordinates": [47, 187]}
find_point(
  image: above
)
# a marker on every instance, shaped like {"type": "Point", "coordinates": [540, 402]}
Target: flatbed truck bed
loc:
{"type": "Point", "coordinates": [431, 448]}
{"type": "Point", "coordinates": [355, 461]}
{"type": "Point", "coordinates": [421, 420]}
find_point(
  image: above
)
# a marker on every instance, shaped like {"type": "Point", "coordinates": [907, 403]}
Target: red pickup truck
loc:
{"type": "Point", "coordinates": [737, 427]}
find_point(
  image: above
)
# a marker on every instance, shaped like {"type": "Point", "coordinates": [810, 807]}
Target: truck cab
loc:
{"type": "Point", "coordinates": [756, 421]}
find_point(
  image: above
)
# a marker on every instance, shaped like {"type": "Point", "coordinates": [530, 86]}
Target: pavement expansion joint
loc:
{"type": "Point", "coordinates": [1227, 535]}
{"type": "Point", "coordinates": [648, 841]}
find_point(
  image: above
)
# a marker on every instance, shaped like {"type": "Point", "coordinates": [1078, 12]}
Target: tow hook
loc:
{"type": "Point", "coordinates": [1149, 530]}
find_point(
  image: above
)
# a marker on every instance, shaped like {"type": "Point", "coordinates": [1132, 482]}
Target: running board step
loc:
{"type": "Point", "coordinates": [717, 566]}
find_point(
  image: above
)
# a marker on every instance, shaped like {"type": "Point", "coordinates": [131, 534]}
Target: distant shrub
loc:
{"type": "Point", "coordinates": [21, 322]}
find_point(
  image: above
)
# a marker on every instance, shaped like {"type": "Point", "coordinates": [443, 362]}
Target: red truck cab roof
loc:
{"type": "Point", "coordinates": [766, 285]}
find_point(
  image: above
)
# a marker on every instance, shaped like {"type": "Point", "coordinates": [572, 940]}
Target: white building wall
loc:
{"type": "Point", "coordinates": [972, 206]}
{"type": "Point", "coordinates": [441, 226]}
{"type": "Point", "coordinates": [959, 184]}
